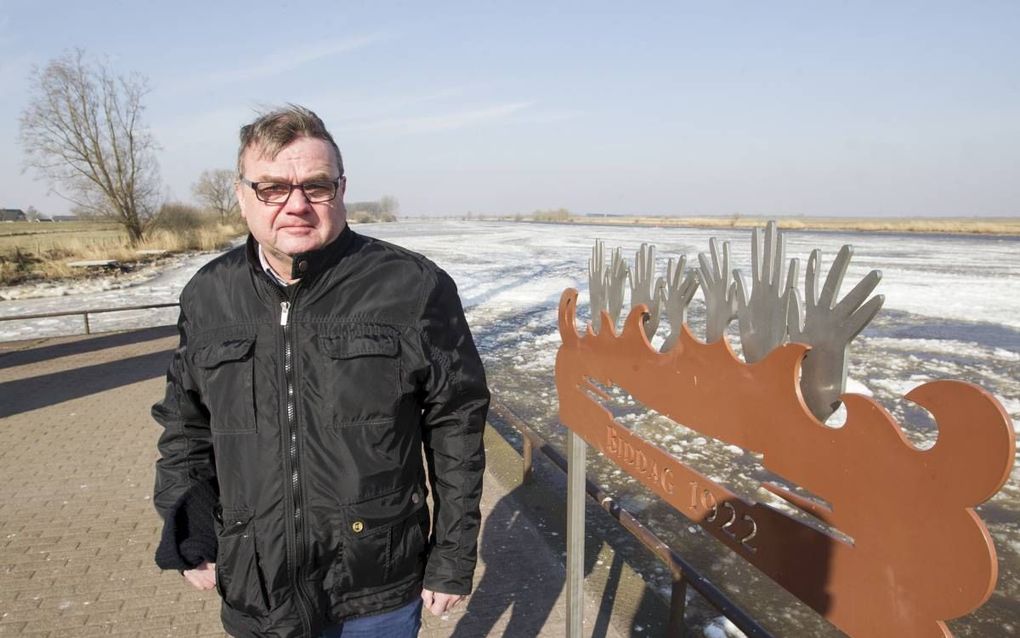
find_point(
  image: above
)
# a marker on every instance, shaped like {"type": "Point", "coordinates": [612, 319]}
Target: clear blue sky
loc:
{"type": "Point", "coordinates": [778, 108]}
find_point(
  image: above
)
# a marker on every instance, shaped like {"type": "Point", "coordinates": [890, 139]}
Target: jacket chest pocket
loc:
{"type": "Point", "coordinates": [228, 369]}
{"type": "Point", "coordinates": [364, 375]}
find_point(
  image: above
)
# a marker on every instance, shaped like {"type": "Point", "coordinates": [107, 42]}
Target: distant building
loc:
{"type": "Point", "coordinates": [12, 215]}
{"type": "Point", "coordinates": [64, 218]}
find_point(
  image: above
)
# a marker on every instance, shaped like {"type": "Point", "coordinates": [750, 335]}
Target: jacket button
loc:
{"type": "Point", "coordinates": [415, 498]}
{"type": "Point", "coordinates": [302, 266]}
{"type": "Point", "coordinates": [357, 526]}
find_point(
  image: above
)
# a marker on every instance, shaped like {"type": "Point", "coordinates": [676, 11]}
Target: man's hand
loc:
{"type": "Point", "coordinates": [439, 603]}
{"type": "Point", "coordinates": [202, 577]}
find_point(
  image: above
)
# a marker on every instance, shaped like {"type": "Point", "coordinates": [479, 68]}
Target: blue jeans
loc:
{"type": "Point", "coordinates": [399, 623]}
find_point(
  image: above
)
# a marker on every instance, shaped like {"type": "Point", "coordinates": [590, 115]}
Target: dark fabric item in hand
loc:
{"type": "Point", "coordinates": [189, 535]}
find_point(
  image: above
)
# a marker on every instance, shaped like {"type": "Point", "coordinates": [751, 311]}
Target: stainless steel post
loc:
{"type": "Point", "coordinates": [576, 453]}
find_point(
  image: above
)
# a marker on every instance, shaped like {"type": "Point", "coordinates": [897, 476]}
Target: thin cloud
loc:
{"type": "Point", "coordinates": [282, 61]}
{"type": "Point", "coordinates": [553, 117]}
{"type": "Point", "coordinates": [353, 105]}
{"type": "Point", "coordinates": [200, 130]}
{"type": "Point", "coordinates": [277, 62]}
{"type": "Point", "coordinates": [442, 122]}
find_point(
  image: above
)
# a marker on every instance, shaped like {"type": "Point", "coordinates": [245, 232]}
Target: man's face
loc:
{"type": "Point", "coordinates": [296, 225]}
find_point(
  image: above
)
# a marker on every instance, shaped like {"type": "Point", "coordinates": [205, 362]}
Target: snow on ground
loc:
{"type": "Point", "coordinates": [952, 310]}
{"type": "Point", "coordinates": [151, 285]}
{"type": "Point", "coordinates": [971, 279]}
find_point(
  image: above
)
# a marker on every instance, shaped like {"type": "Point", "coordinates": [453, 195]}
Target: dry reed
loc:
{"type": "Point", "coordinates": [955, 225]}
{"type": "Point", "coordinates": [46, 254]}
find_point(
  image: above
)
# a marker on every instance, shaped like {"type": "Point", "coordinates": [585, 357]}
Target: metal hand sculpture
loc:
{"type": "Point", "coordinates": [596, 288]}
{"type": "Point", "coordinates": [719, 291]}
{"type": "Point", "coordinates": [677, 293]}
{"type": "Point", "coordinates": [613, 283]}
{"type": "Point", "coordinates": [644, 289]}
{"type": "Point", "coordinates": [829, 327]}
{"type": "Point", "coordinates": [763, 316]}
{"type": "Point", "coordinates": [910, 552]}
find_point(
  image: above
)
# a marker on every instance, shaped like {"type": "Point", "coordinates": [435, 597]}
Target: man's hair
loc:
{"type": "Point", "coordinates": [272, 131]}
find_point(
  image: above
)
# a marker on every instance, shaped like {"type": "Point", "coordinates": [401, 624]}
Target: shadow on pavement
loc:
{"type": "Point", "coordinates": [42, 353]}
{"type": "Point", "coordinates": [515, 577]}
{"type": "Point", "coordinates": [526, 580]}
{"type": "Point", "coordinates": [32, 393]}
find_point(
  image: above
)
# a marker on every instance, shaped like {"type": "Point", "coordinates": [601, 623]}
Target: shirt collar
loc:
{"type": "Point", "coordinates": [305, 265]}
{"type": "Point", "coordinates": [269, 269]}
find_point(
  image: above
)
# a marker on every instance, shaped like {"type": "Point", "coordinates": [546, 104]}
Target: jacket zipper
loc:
{"type": "Point", "coordinates": [295, 475]}
{"type": "Point", "coordinates": [288, 371]}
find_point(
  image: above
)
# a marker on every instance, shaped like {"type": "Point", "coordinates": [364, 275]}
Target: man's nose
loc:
{"type": "Point", "coordinates": [297, 202]}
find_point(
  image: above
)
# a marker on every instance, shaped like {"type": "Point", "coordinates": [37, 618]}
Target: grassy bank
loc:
{"type": "Point", "coordinates": [953, 225]}
{"type": "Point", "coordinates": [44, 251]}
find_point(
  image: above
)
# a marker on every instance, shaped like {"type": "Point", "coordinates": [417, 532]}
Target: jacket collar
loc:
{"type": "Point", "coordinates": [309, 264]}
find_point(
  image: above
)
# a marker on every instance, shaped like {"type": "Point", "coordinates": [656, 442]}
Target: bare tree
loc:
{"type": "Point", "coordinates": [83, 131]}
{"type": "Point", "coordinates": [215, 190]}
{"type": "Point", "coordinates": [32, 214]}
{"type": "Point", "coordinates": [389, 204]}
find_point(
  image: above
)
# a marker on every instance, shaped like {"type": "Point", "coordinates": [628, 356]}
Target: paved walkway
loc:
{"type": "Point", "coordinates": [78, 531]}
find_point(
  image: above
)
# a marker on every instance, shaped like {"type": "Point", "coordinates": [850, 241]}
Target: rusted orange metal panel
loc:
{"type": "Point", "coordinates": [910, 552]}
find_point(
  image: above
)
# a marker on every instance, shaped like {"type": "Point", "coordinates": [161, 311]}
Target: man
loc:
{"type": "Point", "coordinates": [314, 367]}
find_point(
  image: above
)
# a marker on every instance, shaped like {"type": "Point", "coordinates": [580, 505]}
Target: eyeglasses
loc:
{"type": "Point", "coordinates": [316, 192]}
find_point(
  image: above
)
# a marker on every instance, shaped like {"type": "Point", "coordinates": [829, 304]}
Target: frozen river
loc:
{"type": "Point", "coordinates": [952, 311]}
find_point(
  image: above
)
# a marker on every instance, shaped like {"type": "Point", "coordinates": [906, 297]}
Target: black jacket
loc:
{"type": "Point", "coordinates": [307, 409]}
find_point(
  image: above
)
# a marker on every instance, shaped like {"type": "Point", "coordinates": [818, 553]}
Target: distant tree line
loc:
{"type": "Point", "coordinates": [383, 210]}
{"type": "Point", "coordinates": [551, 215]}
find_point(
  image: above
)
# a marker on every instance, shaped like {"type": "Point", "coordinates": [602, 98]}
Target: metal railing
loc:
{"type": "Point", "coordinates": [85, 313]}
{"type": "Point", "coordinates": [683, 574]}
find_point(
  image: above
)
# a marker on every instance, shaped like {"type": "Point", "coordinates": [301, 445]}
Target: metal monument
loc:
{"type": "Point", "coordinates": [895, 546]}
